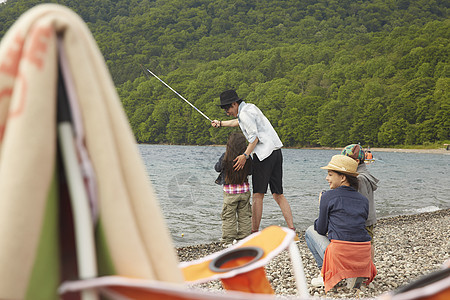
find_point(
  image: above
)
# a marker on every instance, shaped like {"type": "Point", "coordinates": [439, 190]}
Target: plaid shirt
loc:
{"type": "Point", "coordinates": [236, 188]}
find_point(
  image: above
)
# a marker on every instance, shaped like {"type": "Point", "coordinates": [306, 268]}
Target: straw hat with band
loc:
{"type": "Point", "coordinates": [342, 164]}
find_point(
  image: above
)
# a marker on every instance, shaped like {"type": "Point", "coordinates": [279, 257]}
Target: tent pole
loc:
{"type": "Point", "coordinates": [84, 235]}
{"type": "Point", "coordinates": [299, 272]}
{"type": "Point", "coordinates": [82, 217]}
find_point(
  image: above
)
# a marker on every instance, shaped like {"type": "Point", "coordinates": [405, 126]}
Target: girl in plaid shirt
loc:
{"type": "Point", "coordinates": [236, 211]}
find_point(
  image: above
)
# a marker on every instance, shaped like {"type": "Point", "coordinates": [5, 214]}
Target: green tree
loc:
{"type": "Point", "coordinates": [393, 132]}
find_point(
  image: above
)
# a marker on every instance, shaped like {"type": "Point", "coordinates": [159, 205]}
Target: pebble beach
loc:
{"type": "Point", "coordinates": [406, 248]}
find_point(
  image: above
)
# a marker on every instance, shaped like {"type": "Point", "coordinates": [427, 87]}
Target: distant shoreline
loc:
{"type": "Point", "coordinates": [430, 151]}
{"type": "Point", "coordinates": [426, 151]}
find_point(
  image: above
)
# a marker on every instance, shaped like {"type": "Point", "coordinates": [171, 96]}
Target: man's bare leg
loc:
{"type": "Point", "coordinates": [257, 209]}
{"type": "Point", "coordinates": [285, 209]}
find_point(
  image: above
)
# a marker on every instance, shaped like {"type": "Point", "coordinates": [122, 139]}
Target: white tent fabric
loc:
{"type": "Point", "coordinates": [133, 231]}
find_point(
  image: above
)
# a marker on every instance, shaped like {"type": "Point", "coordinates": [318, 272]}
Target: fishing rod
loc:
{"type": "Point", "coordinates": [179, 95]}
{"type": "Point", "coordinates": [145, 73]}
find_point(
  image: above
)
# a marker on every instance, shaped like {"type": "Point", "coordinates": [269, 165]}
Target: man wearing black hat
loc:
{"type": "Point", "coordinates": [267, 158]}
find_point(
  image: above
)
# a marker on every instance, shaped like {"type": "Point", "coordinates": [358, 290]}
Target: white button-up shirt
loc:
{"type": "Point", "coordinates": [254, 124]}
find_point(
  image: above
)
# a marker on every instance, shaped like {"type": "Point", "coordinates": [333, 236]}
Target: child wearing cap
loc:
{"type": "Point", "coordinates": [342, 217]}
{"type": "Point", "coordinates": [367, 183]}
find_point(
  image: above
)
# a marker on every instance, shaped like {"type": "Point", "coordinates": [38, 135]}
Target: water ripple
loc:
{"type": "Point", "coordinates": [183, 179]}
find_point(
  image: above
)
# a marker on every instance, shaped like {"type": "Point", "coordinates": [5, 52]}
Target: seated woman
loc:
{"type": "Point", "coordinates": [342, 218]}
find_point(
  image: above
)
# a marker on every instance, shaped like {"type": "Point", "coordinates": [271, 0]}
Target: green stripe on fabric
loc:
{"type": "Point", "coordinates": [104, 260]}
{"type": "Point", "coordinates": [44, 280]}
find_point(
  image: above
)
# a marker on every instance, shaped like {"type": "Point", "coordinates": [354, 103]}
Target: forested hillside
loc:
{"type": "Point", "coordinates": [326, 73]}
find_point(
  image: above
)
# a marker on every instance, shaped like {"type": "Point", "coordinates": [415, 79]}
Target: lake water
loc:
{"type": "Point", "coordinates": [183, 178]}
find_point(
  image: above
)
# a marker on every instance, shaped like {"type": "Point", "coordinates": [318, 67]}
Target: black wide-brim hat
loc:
{"type": "Point", "coordinates": [228, 97]}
